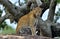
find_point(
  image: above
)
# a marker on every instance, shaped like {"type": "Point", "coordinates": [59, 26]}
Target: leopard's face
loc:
{"type": "Point", "coordinates": [38, 12]}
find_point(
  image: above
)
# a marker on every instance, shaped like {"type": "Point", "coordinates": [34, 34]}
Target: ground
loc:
{"type": "Point", "coordinates": [22, 37]}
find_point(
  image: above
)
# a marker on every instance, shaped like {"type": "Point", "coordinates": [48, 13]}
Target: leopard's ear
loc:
{"type": "Point", "coordinates": [34, 15]}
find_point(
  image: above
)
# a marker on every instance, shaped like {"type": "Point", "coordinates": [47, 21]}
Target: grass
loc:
{"type": "Point", "coordinates": [8, 30]}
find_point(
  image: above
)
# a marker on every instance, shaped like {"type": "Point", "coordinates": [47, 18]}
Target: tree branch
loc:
{"type": "Point", "coordinates": [19, 2]}
{"type": "Point", "coordinates": [2, 19]}
{"type": "Point", "coordinates": [15, 11]}
{"type": "Point", "coordinates": [45, 6]}
{"type": "Point", "coordinates": [52, 10]}
{"type": "Point", "coordinates": [45, 27]}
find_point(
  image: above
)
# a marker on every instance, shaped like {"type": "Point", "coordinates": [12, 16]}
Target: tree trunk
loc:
{"type": "Point", "coordinates": [52, 10]}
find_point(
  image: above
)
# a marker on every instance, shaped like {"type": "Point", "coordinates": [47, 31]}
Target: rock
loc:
{"type": "Point", "coordinates": [22, 37]}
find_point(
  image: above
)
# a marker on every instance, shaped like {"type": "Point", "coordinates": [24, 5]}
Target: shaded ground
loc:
{"type": "Point", "coordinates": [22, 37]}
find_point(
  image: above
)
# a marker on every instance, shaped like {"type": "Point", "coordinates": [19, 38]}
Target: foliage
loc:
{"type": "Point", "coordinates": [25, 1]}
{"type": "Point", "coordinates": [0, 12]}
{"type": "Point", "coordinates": [3, 25]}
{"type": "Point", "coordinates": [57, 15]}
{"type": "Point", "coordinates": [58, 1]}
{"type": "Point", "coordinates": [22, 3]}
{"type": "Point", "coordinates": [5, 28]}
{"type": "Point", "coordinates": [8, 30]}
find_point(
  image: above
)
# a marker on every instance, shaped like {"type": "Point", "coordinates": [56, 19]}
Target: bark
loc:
{"type": "Point", "coordinates": [2, 19]}
{"type": "Point", "coordinates": [45, 6]}
{"type": "Point", "coordinates": [52, 10]}
{"type": "Point", "coordinates": [48, 28]}
{"type": "Point", "coordinates": [18, 12]}
{"type": "Point", "coordinates": [9, 7]}
{"type": "Point", "coordinates": [45, 27]}
{"type": "Point", "coordinates": [15, 11]}
{"type": "Point", "coordinates": [19, 2]}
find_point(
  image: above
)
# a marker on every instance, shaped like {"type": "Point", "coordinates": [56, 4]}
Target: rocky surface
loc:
{"type": "Point", "coordinates": [22, 37]}
{"type": "Point", "coordinates": [25, 37]}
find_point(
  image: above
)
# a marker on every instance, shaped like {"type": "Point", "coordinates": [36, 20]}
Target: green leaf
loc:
{"type": "Point", "coordinates": [58, 1]}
